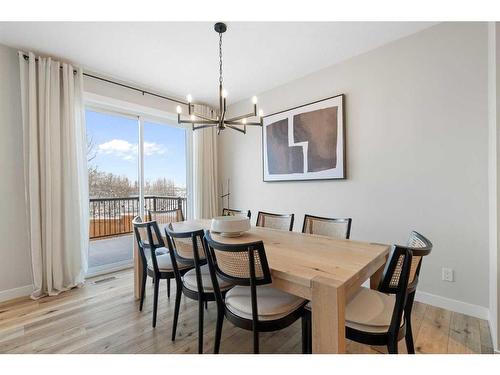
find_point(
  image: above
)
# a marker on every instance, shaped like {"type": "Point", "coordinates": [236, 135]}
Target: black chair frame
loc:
{"type": "Point", "coordinates": [333, 220]}
{"type": "Point", "coordinates": [284, 216]}
{"type": "Point", "coordinates": [155, 273]}
{"type": "Point", "coordinates": [159, 212]}
{"type": "Point", "coordinates": [255, 325]}
{"type": "Point", "coordinates": [199, 295]}
{"type": "Point", "coordinates": [400, 326]}
{"type": "Point", "coordinates": [230, 211]}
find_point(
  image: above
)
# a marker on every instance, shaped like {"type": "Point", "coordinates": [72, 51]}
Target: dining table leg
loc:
{"type": "Point", "coordinates": [328, 316]}
{"type": "Point", "coordinates": [377, 276]}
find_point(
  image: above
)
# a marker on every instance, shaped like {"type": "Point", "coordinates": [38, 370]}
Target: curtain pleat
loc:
{"type": "Point", "coordinates": [206, 194]}
{"type": "Point", "coordinates": [55, 173]}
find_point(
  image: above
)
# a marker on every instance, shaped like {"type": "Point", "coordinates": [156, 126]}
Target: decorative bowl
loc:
{"type": "Point", "coordinates": [230, 226]}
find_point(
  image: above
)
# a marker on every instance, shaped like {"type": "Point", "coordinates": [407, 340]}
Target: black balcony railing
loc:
{"type": "Point", "coordinates": [113, 216]}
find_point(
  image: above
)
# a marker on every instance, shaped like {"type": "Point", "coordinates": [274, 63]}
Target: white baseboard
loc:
{"type": "Point", "coordinates": [22, 291]}
{"type": "Point", "coordinates": [476, 311]}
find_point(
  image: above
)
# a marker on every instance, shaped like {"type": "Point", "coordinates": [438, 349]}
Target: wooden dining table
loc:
{"type": "Point", "coordinates": [322, 269]}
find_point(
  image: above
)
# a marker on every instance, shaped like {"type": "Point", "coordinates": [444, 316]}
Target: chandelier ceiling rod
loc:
{"type": "Point", "coordinates": [238, 123]}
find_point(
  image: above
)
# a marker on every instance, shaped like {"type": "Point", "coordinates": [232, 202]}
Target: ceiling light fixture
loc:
{"type": "Point", "coordinates": [238, 123]}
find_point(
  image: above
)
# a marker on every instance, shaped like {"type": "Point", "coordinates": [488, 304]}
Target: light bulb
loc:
{"type": "Point", "coordinates": [261, 113]}
{"type": "Point", "coordinates": [189, 98]}
{"type": "Point", "coordinates": [179, 109]}
{"type": "Point", "coordinates": [224, 93]}
{"type": "Point", "coordinates": [254, 99]}
{"type": "Point", "coordinates": [244, 121]}
{"type": "Point", "coordinates": [193, 117]}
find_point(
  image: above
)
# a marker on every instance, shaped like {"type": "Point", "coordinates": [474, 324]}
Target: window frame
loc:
{"type": "Point", "coordinates": [142, 114]}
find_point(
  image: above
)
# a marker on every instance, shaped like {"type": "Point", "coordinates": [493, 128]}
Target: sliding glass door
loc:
{"type": "Point", "coordinates": [165, 185]}
{"type": "Point", "coordinates": [134, 165]}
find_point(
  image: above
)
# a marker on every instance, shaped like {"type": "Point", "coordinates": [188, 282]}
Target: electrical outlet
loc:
{"type": "Point", "coordinates": [447, 274]}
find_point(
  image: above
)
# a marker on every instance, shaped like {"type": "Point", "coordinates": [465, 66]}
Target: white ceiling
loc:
{"type": "Point", "coordinates": [177, 58]}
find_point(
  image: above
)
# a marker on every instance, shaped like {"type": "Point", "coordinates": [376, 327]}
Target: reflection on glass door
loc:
{"type": "Point", "coordinates": [112, 154]}
{"type": "Point", "coordinates": [164, 167]}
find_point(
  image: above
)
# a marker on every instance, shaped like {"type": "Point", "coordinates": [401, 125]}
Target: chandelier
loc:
{"type": "Point", "coordinates": [220, 121]}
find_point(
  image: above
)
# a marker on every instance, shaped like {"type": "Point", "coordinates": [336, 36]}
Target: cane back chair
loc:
{"type": "Point", "coordinates": [275, 221]}
{"type": "Point", "coordinates": [253, 304]}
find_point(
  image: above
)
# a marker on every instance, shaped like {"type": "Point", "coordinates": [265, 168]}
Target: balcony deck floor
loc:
{"type": "Point", "coordinates": [112, 250]}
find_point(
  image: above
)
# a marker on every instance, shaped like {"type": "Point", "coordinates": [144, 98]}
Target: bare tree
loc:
{"type": "Point", "coordinates": [91, 148]}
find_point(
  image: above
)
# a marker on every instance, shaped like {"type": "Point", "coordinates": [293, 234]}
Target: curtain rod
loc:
{"type": "Point", "coordinates": [144, 92]}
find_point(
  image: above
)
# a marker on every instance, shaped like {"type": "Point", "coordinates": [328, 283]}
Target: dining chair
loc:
{"type": "Point", "coordinates": [156, 262]}
{"type": "Point", "coordinates": [166, 216]}
{"type": "Point", "coordinates": [189, 248]}
{"type": "Point", "coordinates": [383, 316]}
{"type": "Point", "coordinates": [253, 304]}
{"type": "Point", "coordinates": [332, 227]}
{"type": "Point", "coordinates": [231, 212]}
{"type": "Point", "coordinates": [275, 221]}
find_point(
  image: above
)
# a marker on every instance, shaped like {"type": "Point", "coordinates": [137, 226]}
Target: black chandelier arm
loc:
{"type": "Point", "coordinates": [244, 130]}
{"type": "Point", "coordinates": [248, 115]}
{"type": "Point", "coordinates": [204, 126]}
{"type": "Point", "coordinates": [242, 124]}
{"type": "Point", "coordinates": [202, 122]}
{"type": "Point", "coordinates": [204, 117]}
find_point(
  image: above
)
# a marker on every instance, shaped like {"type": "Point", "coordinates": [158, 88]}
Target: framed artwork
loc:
{"type": "Point", "coordinates": [306, 142]}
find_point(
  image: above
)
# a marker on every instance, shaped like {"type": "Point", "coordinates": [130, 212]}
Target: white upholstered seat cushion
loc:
{"type": "Point", "coordinates": [272, 304]}
{"type": "Point", "coordinates": [165, 263]}
{"type": "Point", "coordinates": [190, 280]}
{"type": "Point", "coordinates": [370, 311]}
{"type": "Point", "coordinates": [161, 251]}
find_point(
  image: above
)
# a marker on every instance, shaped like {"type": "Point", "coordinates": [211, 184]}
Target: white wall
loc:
{"type": "Point", "coordinates": [15, 263]}
{"type": "Point", "coordinates": [417, 154]}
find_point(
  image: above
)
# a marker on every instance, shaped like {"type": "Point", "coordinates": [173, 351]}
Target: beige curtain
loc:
{"type": "Point", "coordinates": [205, 184]}
{"type": "Point", "coordinates": [55, 173]}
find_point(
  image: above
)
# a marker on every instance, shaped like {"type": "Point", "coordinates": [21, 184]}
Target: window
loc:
{"type": "Point", "coordinates": [135, 164]}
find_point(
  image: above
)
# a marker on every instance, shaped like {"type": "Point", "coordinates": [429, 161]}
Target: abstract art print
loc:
{"type": "Point", "coordinates": [306, 142]}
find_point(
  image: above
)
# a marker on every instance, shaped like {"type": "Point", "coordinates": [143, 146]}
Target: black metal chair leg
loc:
{"type": "Point", "coordinates": [178, 295]}
{"type": "Point", "coordinates": [155, 304]}
{"type": "Point", "coordinates": [305, 334]}
{"type": "Point", "coordinates": [168, 288]}
{"type": "Point", "coordinates": [143, 288]}
{"type": "Point", "coordinates": [206, 305]}
{"type": "Point", "coordinates": [218, 331]}
{"type": "Point", "coordinates": [392, 346]}
{"type": "Point", "coordinates": [307, 341]}
{"type": "Point", "coordinates": [255, 341]}
{"type": "Point", "coordinates": [409, 338]}
{"type": "Point", "coordinates": [409, 333]}
{"type": "Point", "coordinates": [200, 326]}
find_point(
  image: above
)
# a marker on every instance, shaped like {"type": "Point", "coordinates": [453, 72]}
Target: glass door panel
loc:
{"type": "Point", "coordinates": [164, 167]}
{"type": "Point", "coordinates": [112, 154]}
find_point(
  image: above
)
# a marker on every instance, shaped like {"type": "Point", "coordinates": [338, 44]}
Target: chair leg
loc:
{"type": "Point", "coordinates": [409, 333]}
{"type": "Point", "coordinates": [155, 304]}
{"type": "Point", "coordinates": [178, 295]}
{"type": "Point", "coordinates": [255, 341]}
{"type": "Point", "coordinates": [409, 338]}
{"type": "Point", "coordinates": [306, 334]}
{"type": "Point", "coordinates": [206, 305]}
{"type": "Point", "coordinates": [218, 331]}
{"type": "Point", "coordinates": [143, 288]}
{"type": "Point", "coordinates": [392, 346]}
{"type": "Point", "coordinates": [200, 326]}
{"type": "Point", "coordinates": [168, 288]}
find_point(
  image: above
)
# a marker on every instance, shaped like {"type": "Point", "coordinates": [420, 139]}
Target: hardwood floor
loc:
{"type": "Point", "coordinates": [103, 317]}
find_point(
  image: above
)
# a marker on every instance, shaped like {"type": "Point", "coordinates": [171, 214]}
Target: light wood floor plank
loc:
{"type": "Point", "coordinates": [103, 317]}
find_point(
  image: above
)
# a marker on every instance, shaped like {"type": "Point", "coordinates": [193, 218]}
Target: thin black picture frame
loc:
{"type": "Point", "coordinates": [344, 138]}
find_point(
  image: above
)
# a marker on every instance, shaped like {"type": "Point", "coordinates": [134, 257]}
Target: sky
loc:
{"type": "Point", "coordinates": [115, 140]}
